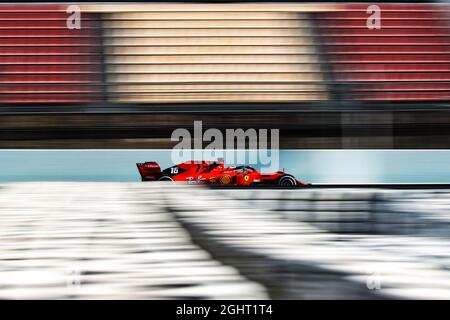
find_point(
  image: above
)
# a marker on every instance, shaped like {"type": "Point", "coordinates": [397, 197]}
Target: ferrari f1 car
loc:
{"type": "Point", "coordinates": [215, 173]}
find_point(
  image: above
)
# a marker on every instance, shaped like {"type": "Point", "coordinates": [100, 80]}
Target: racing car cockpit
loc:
{"type": "Point", "coordinates": [242, 169]}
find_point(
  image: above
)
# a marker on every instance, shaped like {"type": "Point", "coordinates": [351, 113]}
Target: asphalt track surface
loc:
{"type": "Point", "coordinates": [166, 241]}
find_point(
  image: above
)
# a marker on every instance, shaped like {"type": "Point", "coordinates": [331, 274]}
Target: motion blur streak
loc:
{"type": "Point", "coordinates": [151, 240]}
{"type": "Point", "coordinates": [185, 53]}
{"type": "Point", "coordinates": [42, 61]}
{"type": "Point", "coordinates": [316, 166]}
{"type": "Point", "coordinates": [134, 72]}
{"type": "Point", "coordinates": [104, 241]}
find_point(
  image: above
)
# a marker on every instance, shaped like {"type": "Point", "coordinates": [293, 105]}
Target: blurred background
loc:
{"type": "Point", "coordinates": [354, 105]}
{"type": "Point", "coordinates": [134, 72]}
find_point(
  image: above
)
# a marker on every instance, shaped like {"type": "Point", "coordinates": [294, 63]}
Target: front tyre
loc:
{"type": "Point", "coordinates": [287, 181]}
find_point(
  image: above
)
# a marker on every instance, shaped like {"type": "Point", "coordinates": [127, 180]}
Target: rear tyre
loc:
{"type": "Point", "coordinates": [166, 178]}
{"type": "Point", "coordinates": [287, 181]}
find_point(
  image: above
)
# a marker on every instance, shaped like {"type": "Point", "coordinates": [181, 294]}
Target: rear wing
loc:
{"type": "Point", "coordinates": [149, 171]}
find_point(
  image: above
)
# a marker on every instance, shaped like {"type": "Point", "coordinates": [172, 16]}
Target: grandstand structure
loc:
{"type": "Point", "coordinates": [172, 63]}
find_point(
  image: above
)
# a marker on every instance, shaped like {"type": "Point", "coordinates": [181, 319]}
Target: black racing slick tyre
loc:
{"type": "Point", "coordinates": [287, 181]}
{"type": "Point", "coordinates": [166, 178]}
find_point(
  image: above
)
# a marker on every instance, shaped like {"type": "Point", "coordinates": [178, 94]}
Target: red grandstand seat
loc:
{"type": "Point", "coordinates": [408, 59]}
{"type": "Point", "coordinates": [42, 61]}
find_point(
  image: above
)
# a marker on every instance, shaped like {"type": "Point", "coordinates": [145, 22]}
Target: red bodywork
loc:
{"type": "Point", "coordinates": [215, 173]}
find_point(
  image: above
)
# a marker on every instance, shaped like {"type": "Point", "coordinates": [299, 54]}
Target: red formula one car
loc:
{"type": "Point", "coordinates": [215, 173]}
